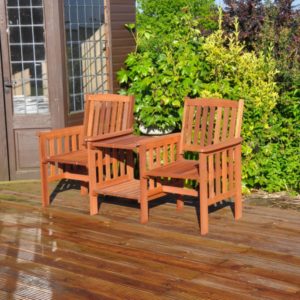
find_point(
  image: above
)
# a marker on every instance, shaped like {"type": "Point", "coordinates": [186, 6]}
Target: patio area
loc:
{"type": "Point", "coordinates": [63, 253]}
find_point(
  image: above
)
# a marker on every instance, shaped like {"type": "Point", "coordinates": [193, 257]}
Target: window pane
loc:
{"type": "Point", "coordinates": [38, 16]}
{"type": "Point", "coordinates": [27, 52]}
{"type": "Point", "coordinates": [29, 71]}
{"type": "Point", "coordinates": [13, 16]}
{"type": "Point", "coordinates": [27, 35]}
{"type": "Point", "coordinates": [39, 52]}
{"type": "Point", "coordinates": [38, 34]}
{"type": "Point", "coordinates": [15, 53]}
{"type": "Point", "coordinates": [25, 16]}
{"type": "Point", "coordinates": [24, 2]}
{"type": "Point", "coordinates": [37, 2]}
{"type": "Point", "coordinates": [84, 25]}
{"type": "Point", "coordinates": [14, 35]}
{"type": "Point", "coordinates": [28, 66]}
{"type": "Point", "coordinates": [12, 2]}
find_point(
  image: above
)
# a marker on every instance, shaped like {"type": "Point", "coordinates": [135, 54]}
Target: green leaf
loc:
{"type": "Point", "coordinates": [176, 103]}
{"type": "Point", "coordinates": [122, 76]}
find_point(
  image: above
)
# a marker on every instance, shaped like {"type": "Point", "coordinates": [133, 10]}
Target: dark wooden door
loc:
{"type": "Point", "coordinates": [24, 73]}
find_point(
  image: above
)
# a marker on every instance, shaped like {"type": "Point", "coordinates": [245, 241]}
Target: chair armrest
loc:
{"type": "Point", "coordinates": [160, 140]}
{"type": "Point", "coordinates": [221, 146]}
{"type": "Point", "coordinates": [108, 135]}
{"type": "Point", "coordinates": [158, 152]}
{"type": "Point", "coordinates": [55, 133]}
{"type": "Point", "coordinates": [60, 141]}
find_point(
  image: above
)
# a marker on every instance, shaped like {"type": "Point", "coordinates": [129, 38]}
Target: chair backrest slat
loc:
{"type": "Point", "coordinates": [119, 116]}
{"type": "Point", "coordinates": [96, 116]}
{"type": "Point", "coordinates": [211, 125]}
{"type": "Point", "coordinates": [203, 126]}
{"type": "Point", "coordinates": [125, 112]}
{"type": "Point", "coordinates": [225, 123]}
{"type": "Point", "coordinates": [107, 118]}
{"type": "Point", "coordinates": [209, 121]}
{"type": "Point", "coordinates": [239, 119]}
{"type": "Point", "coordinates": [113, 117]}
{"type": "Point", "coordinates": [107, 114]}
{"type": "Point", "coordinates": [218, 124]}
{"type": "Point", "coordinates": [232, 123]}
{"type": "Point", "coordinates": [197, 124]}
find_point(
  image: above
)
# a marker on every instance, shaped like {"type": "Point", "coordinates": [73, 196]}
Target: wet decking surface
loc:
{"type": "Point", "coordinates": [63, 253]}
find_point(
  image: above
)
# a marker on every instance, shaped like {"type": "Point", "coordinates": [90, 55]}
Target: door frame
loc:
{"type": "Point", "coordinates": [4, 166]}
{"type": "Point", "coordinates": [56, 62]}
{"type": "Point", "coordinates": [5, 76]}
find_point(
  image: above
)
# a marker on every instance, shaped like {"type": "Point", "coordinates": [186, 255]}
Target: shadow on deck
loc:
{"type": "Point", "coordinates": [63, 253]}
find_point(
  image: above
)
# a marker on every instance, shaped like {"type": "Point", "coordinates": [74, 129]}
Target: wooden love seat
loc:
{"type": "Point", "coordinates": [63, 152]}
{"type": "Point", "coordinates": [210, 129]}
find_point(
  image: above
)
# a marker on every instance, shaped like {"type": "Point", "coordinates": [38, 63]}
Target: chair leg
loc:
{"type": "Point", "coordinates": [84, 189]}
{"type": "Point", "coordinates": [203, 216]}
{"type": "Point", "coordinates": [93, 204]}
{"type": "Point", "coordinates": [238, 206]}
{"type": "Point", "coordinates": [44, 182]}
{"type": "Point", "coordinates": [238, 187]}
{"type": "Point", "coordinates": [144, 213]}
{"type": "Point", "coordinates": [179, 202]}
{"type": "Point", "coordinates": [203, 196]}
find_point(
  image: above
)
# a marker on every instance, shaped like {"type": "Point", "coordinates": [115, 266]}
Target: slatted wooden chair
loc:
{"type": "Point", "coordinates": [211, 128]}
{"type": "Point", "coordinates": [63, 152]}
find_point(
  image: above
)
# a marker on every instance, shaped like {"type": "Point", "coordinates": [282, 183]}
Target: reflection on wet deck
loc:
{"type": "Point", "coordinates": [63, 253]}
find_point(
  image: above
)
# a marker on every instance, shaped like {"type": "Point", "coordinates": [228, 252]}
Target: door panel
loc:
{"type": "Point", "coordinates": [26, 142]}
{"type": "Point", "coordinates": [25, 72]}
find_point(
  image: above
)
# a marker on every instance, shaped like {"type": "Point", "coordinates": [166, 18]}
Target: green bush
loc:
{"type": "Point", "coordinates": [161, 79]}
{"type": "Point", "coordinates": [219, 66]}
{"type": "Point", "coordinates": [274, 27]}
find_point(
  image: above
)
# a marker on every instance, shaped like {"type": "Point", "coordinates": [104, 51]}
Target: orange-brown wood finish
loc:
{"type": "Point", "coordinates": [111, 165]}
{"type": "Point", "coordinates": [63, 152]}
{"type": "Point", "coordinates": [211, 128]}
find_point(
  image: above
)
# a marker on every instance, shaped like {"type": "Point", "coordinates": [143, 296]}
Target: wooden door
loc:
{"type": "Point", "coordinates": [24, 72]}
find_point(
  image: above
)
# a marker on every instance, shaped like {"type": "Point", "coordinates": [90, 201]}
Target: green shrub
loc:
{"type": "Point", "coordinates": [220, 66]}
{"type": "Point", "coordinates": [274, 27]}
{"type": "Point", "coordinates": [161, 79]}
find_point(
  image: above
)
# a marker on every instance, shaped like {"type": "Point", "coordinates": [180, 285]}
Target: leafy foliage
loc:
{"type": "Point", "coordinates": [157, 15]}
{"type": "Point", "coordinates": [266, 26]}
{"type": "Point", "coordinates": [183, 61]}
{"type": "Point", "coordinates": [162, 70]}
{"type": "Point", "coordinates": [278, 33]}
{"type": "Point", "coordinates": [250, 14]}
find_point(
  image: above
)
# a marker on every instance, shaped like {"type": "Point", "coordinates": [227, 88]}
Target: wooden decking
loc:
{"type": "Point", "coordinates": [63, 253]}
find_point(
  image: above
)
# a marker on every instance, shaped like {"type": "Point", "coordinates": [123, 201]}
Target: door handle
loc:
{"type": "Point", "coordinates": [8, 84]}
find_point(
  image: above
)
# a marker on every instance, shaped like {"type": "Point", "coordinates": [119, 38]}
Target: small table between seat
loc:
{"type": "Point", "coordinates": [127, 142]}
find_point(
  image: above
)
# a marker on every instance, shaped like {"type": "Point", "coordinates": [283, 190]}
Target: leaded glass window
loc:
{"type": "Point", "coordinates": [27, 53]}
{"type": "Point", "coordinates": [86, 55]}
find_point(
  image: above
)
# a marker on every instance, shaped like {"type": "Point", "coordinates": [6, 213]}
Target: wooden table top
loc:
{"type": "Point", "coordinates": [129, 141]}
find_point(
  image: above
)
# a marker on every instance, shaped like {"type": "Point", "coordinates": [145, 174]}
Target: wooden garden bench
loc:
{"type": "Point", "coordinates": [211, 129]}
{"type": "Point", "coordinates": [63, 152]}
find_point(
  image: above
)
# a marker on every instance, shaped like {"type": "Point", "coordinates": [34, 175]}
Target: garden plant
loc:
{"type": "Point", "coordinates": [179, 53]}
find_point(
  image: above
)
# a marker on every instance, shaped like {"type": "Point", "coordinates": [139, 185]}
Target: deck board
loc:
{"type": "Point", "coordinates": [63, 253]}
